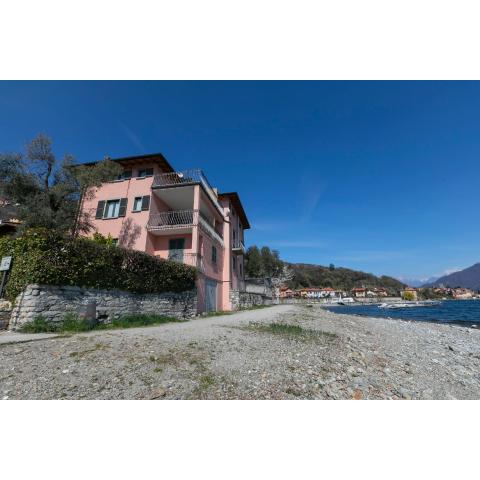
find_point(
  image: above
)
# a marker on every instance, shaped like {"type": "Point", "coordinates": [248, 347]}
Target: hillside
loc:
{"type": "Point", "coordinates": [467, 278]}
{"type": "Point", "coordinates": [307, 275]}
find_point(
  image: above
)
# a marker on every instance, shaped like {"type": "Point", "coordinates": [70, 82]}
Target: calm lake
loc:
{"type": "Point", "coordinates": [463, 312]}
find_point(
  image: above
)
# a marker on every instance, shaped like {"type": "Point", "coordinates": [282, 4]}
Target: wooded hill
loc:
{"type": "Point", "coordinates": [307, 275]}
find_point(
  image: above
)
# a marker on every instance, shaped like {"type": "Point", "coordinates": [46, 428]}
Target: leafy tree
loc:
{"type": "Point", "coordinates": [408, 296]}
{"type": "Point", "coordinates": [263, 262]}
{"type": "Point", "coordinates": [48, 192]}
{"type": "Point", "coordinates": [253, 266]}
{"type": "Point", "coordinates": [331, 267]}
{"type": "Point", "coordinates": [103, 240]}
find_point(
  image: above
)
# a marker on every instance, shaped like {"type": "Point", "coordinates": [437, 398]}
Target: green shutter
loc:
{"type": "Point", "coordinates": [146, 202]}
{"type": "Point", "coordinates": [149, 172]}
{"type": "Point", "coordinates": [123, 207]}
{"type": "Point", "coordinates": [100, 209]}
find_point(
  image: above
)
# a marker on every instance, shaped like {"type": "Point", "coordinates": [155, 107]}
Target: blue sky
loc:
{"type": "Point", "coordinates": [378, 176]}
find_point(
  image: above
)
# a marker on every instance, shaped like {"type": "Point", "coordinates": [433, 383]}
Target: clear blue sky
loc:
{"type": "Point", "coordinates": [378, 176]}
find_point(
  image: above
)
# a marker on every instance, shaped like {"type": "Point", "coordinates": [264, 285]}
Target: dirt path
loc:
{"type": "Point", "coordinates": [241, 356]}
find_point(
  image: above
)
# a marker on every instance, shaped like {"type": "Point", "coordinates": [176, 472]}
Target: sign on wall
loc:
{"type": "Point", "coordinates": [5, 264]}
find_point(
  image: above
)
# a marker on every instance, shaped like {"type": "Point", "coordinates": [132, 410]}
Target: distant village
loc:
{"type": "Point", "coordinates": [409, 293]}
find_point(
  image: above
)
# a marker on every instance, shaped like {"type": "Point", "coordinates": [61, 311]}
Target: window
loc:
{"type": "Point", "coordinates": [145, 172]}
{"type": "Point", "coordinates": [111, 209]}
{"type": "Point", "coordinates": [137, 204]}
{"type": "Point", "coordinates": [241, 271]}
{"type": "Point", "coordinates": [141, 203]}
{"type": "Point", "coordinates": [214, 254]}
{"type": "Point", "coordinates": [125, 175]}
{"type": "Point", "coordinates": [234, 264]}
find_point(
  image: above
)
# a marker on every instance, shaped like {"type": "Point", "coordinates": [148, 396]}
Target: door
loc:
{"type": "Point", "coordinates": [210, 295]}
{"type": "Point", "coordinates": [175, 249]}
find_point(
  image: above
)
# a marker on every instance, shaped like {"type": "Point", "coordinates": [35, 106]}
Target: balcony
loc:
{"type": "Point", "coordinates": [192, 259]}
{"type": "Point", "coordinates": [181, 221]}
{"type": "Point", "coordinates": [238, 247]}
{"type": "Point", "coordinates": [186, 178]}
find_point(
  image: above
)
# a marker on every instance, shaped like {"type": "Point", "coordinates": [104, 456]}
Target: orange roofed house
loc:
{"type": "Point", "coordinates": [178, 216]}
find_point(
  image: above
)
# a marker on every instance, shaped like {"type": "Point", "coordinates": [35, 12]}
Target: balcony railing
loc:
{"type": "Point", "coordinates": [186, 177]}
{"type": "Point", "coordinates": [192, 259]}
{"type": "Point", "coordinates": [175, 219]}
{"type": "Point", "coordinates": [172, 219]}
{"type": "Point", "coordinates": [209, 229]}
{"type": "Point", "coordinates": [238, 246]}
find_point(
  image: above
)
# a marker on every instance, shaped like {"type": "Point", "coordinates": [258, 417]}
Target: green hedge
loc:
{"type": "Point", "coordinates": [46, 257]}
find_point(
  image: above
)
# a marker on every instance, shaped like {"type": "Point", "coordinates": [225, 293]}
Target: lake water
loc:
{"type": "Point", "coordinates": [463, 312]}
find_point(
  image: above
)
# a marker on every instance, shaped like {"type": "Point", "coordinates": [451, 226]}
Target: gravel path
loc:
{"type": "Point", "coordinates": [237, 356]}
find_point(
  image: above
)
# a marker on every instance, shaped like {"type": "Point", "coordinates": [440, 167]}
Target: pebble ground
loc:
{"type": "Point", "coordinates": [230, 357]}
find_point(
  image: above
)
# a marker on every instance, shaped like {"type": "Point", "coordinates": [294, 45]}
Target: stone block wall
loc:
{"type": "Point", "coordinates": [54, 302]}
{"type": "Point", "coordinates": [240, 300]}
{"type": "Point", "coordinates": [5, 312]}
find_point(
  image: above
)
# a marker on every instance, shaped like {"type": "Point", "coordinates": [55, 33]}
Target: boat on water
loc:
{"type": "Point", "coordinates": [424, 303]}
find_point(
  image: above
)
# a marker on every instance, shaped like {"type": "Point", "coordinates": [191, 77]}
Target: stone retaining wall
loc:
{"type": "Point", "coordinates": [241, 300]}
{"type": "Point", "coordinates": [5, 312]}
{"type": "Point", "coordinates": [53, 303]}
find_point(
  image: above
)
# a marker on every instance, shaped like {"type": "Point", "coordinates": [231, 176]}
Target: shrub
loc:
{"type": "Point", "coordinates": [45, 257]}
{"type": "Point", "coordinates": [73, 323]}
{"type": "Point", "coordinates": [39, 325]}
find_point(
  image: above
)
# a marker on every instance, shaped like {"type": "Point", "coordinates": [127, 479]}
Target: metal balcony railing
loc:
{"type": "Point", "coordinates": [209, 229]}
{"type": "Point", "coordinates": [192, 259]}
{"type": "Point", "coordinates": [186, 177]}
{"type": "Point", "coordinates": [238, 246]}
{"type": "Point", "coordinates": [172, 219]}
{"type": "Point", "coordinates": [182, 219]}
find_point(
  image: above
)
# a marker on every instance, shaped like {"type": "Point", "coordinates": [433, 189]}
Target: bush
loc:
{"type": "Point", "coordinates": [45, 257]}
{"type": "Point", "coordinates": [39, 325]}
{"type": "Point", "coordinates": [73, 323]}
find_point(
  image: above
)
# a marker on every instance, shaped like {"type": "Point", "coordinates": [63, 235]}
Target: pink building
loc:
{"type": "Point", "coordinates": [179, 216]}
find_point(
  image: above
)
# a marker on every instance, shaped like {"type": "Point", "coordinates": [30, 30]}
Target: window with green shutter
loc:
{"type": "Point", "coordinates": [122, 211]}
{"type": "Point", "coordinates": [100, 209]}
{"type": "Point", "coordinates": [141, 203]}
{"type": "Point", "coordinates": [146, 202]}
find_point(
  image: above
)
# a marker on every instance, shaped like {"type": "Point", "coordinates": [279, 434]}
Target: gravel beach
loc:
{"type": "Point", "coordinates": [240, 356]}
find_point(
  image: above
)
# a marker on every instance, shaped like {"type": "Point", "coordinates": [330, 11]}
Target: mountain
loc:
{"type": "Point", "coordinates": [415, 282]}
{"type": "Point", "coordinates": [307, 275]}
{"type": "Point", "coordinates": [467, 278]}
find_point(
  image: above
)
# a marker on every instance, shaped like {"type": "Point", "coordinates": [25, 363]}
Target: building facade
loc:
{"type": "Point", "coordinates": [177, 216]}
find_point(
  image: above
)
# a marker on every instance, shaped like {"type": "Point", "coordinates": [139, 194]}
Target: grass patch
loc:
{"type": "Point", "coordinates": [74, 323]}
{"type": "Point", "coordinates": [98, 346]}
{"type": "Point", "coordinates": [292, 331]}
{"type": "Point", "coordinates": [232, 312]}
{"type": "Point", "coordinates": [206, 381]}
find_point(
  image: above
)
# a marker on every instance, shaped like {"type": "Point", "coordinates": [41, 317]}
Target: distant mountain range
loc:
{"type": "Point", "coordinates": [467, 278]}
{"type": "Point", "coordinates": [416, 282]}
{"type": "Point", "coordinates": [307, 275]}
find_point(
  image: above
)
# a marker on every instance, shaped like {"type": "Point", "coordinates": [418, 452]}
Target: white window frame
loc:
{"type": "Point", "coordinates": [106, 208]}
{"type": "Point", "coordinates": [140, 207]}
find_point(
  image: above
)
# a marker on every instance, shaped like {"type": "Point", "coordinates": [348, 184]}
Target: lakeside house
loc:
{"type": "Point", "coordinates": [178, 216]}
{"type": "Point", "coordinates": [359, 292]}
{"type": "Point", "coordinates": [462, 293]}
{"type": "Point", "coordinates": [315, 292]}
{"type": "Point", "coordinates": [285, 292]}
{"type": "Point", "coordinates": [409, 293]}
